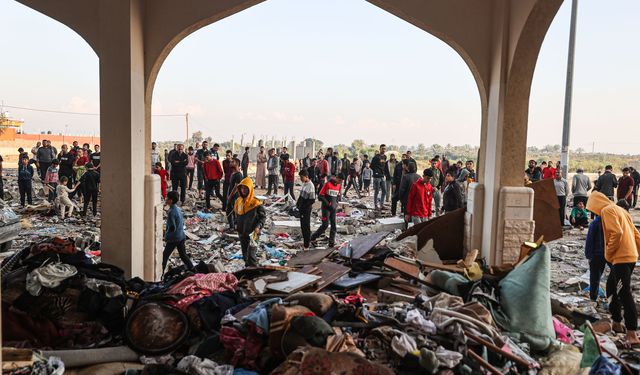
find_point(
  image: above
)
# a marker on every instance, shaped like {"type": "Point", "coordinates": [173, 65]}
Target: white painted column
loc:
{"type": "Point", "coordinates": [122, 129]}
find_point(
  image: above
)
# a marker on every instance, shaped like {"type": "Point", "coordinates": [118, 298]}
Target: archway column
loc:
{"type": "Point", "coordinates": [123, 130]}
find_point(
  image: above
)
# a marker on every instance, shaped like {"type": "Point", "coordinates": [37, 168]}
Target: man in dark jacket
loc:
{"type": "Point", "coordinates": [89, 183]}
{"type": "Point", "coordinates": [378, 167]}
{"type": "Point", "coordinates": [397, 179]}
{"type": "Point", "coordinates": [408, 179]}
{"type": "Point", "coordinates": [329, 196]}
{"type": "Point", "coordinates": [437, 181]}
{"type": "Point", "coordinates": [178, 174]}
{"type": "Point", "coordinates": [594, 252]}
{"type": "Point", "coordinates": [45, 157]}
{"type": "Point", "coordinates": [636, 180]}
{"type": "Point", "coordinates": [66, 166]}
{"type": "Point", "coordinates": [607, 182]}
{"type": "Point", "coordinates": [200, 159]}
{"type": "Point", "coordinates": [452, 196]}
{"type": "Point", "coordinates": [174, 235]}
{"type": "Point", "coordinates": [250, 218]}
{"type": "Point", "coordinates": [228, 170]}
{"type": "Point", "coordinates": [232, 194]}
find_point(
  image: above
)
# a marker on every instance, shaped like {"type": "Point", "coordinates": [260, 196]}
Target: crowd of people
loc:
{"type": "Point", "coordinates": [69, 177]}
{"type": "Point", "coordinates": [326, 177]}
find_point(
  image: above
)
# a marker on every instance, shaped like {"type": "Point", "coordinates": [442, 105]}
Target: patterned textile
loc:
{"type": "Point", "coordinates": [202, 285]}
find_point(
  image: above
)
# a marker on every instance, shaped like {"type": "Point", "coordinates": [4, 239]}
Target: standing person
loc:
{"type": "Point", "coordinates": [622, 241]}
{"type": "Point", "coordinates": [75, 147]}
{"type": "Point", "coordinates": [397, 179]}
{"type": "Point", "coordinates": [164, 179]}
{"type": "Point", "coordinates": [245, 162]}
{"type": "Point", "coordinates": [330, 196]}
{"type": "Point", "coordinates": [227, 168]}
{"type": "Point", "coordinates": [467, 173]}
{"type": "Point", "coordinates": [212, 175]}
{"type": "Point", "coordinates": [272, 166]}
{"type": "Point", "coordinates": [389, 171]}
{"type": "Point", "coordinates": [250, 216]}
{"type": "Point", "coordinates": [62, 198]}
{"type": "Point", "coordinates": [25, 178]}
{"type": "Point", "coordinates": [533, 173]}
{"type": "Point", "coordinates": [562, 188]}
{"type": "Point", "coordinates": [284, 152]}
{"type": "Point", "coordinates": [174, 235]}
{"type": "Point", "coordinates": [437, 181]}
{"type": "Point", "coordinates": [214, 151]}
{"type": "Point", "coordinates": [191, 167]}
{"type": "Point", "coordinates": [452, 195]}
{"type": "Point", "coordinates": [45, 156]}
{"type": "Point", "coordinates": [336, 164]}
{"type": "Point", "coordinates": [305, 206]}
{"type": "Point", "coordinates": [34, 152]}
{"type": "Point", "coordinates": [289, 176]}
{"type": "Point", "coordinates": [549, 171]}
{"type": "Point", "coordinates": [95, 157]}
{"type": "Point", "coordinates": [51, 179]}
{"type": "Point", "coordinates": [625, 186]}
{"type": "Point", "coordinates": [323, 170]}
{"type": "Point", "coordinates": [328, 157]}
{"type": "Point", "coordinates": [67, 160]}
{"type": "Point", "coordinates": [306, 161]}
{"type": "Point", "coordinates": [78, 168]}
{"type": "Point", "coordinates": [636, 182]}
{"type": "Point", "coordinates": [358, 167]}
{"type": "Point", "coordinates": [155, 154]}
{"type": "Point", "coordinates": [86, 148]}
{"type": "Point", "coordinates": [367, 174]}
{"type": "Point", "coordinates": [178, 173]}
{"type": "Point", "coordinates": [607, 182]}
{"type": "Point", "coordinates": [420, 201]}
{"type": "Point", "coordinates": [89, 185]}
{"type": "Point", "coordinates": [261, 169]}
{"type": "Point", "coordinates": [232, 194]}
{"type": "Point", "coordinates": [167, 165]}
{"type": "Point", "coordinates": [594, 252]}
{"type": "Point", "coordinates": [345, 165]}
{"type": "Point", "coordinates": [379, 186]}
{"type": "Point", "coordinates": [580, 187]}
{"type": "Point", "coordinates": [21, 155]}
{"type": "Point", "coordinates": [200, 159]}
{"type": "Point", "coordinates": [408, 179]}
{"type": "Point", "coordinates": [412, 160]}
{"type": "Point", "coordinates": [352, 179]}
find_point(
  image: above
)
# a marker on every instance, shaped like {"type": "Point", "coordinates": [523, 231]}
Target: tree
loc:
{"type": "Point", "coordinates": [197, 137]}
{"type": "Point", "coordinates": [579, 150]}
{"type": "Point", "coordinates": [422, 150]}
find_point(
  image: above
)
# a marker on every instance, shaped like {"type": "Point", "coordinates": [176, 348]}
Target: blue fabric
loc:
{"type": "Point", "coordinates": [260, 315]}
{"type": "Point", "coordinates": [594, 247]}
{"type": "Point", "coordinates": [175, 225]}
{"type": "Point", "coordinates": [603, 366]}
{"type": "Point", "coordinates": [25, 173]}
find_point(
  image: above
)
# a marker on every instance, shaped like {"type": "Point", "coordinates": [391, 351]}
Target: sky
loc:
{"type": "Point", "coordinates": [336, 70]}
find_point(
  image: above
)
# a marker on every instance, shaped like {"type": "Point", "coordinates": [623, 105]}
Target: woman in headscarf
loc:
{"type": "Point", "coordinates": [250, 218]}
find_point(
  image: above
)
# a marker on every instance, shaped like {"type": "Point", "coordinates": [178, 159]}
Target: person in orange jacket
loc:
{"type": "Point", "coordinates": [621, 244]}
{"type": "Point", "coordinates": [420, 199]}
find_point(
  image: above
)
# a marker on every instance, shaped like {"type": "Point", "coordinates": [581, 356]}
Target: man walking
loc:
{"type": "Point", "coordinates": [330, 196]}
{"type": "Point", "coordinates": [178, 161]}
{"type": "Point", "coordinates": [245, 162]}
{"type": "Point", "coordinates": [305, 205]}
{"type": "Point", "coordinates": [175, 236]}
{"type": "Point", "coordinates": [212, 171]}
{"type": "Point", "coordinates": [379, 186]}
{"type": "Point", "coordinates": [420, 203]}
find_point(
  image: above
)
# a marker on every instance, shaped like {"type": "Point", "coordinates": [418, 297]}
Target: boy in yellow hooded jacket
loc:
{"type": "Point", "coordinates": [250, 218]}
{"type": "Point", "coordinates": [621, 244]}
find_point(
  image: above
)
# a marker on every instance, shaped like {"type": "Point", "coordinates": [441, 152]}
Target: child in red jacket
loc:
{"type": "Point", "coordinates": [420, 199]}
{"type": "Point", "coordinates": [164, 177]}
{"type": "Point", "coordinates": [289, 176]}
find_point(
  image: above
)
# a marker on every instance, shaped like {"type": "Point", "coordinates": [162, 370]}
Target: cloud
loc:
{"type": "Point", "coordinates": [82, 105]}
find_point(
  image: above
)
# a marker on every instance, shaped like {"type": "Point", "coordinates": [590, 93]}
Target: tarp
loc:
{"type": "Point", "coordinates": [545, 210]}
{"type": "Point", "coordinates": [525, 298]}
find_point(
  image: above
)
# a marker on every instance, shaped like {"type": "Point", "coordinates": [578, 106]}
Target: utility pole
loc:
{"type": "Point", "coordinates": [186, 121]}
{"type": "Point", "coordinates": [566, 127]}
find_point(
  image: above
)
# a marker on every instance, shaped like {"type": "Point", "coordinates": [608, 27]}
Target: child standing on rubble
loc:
{"type": "Point", "coordinates": [367, 173]}
{"type": "Point", "coordinates": [330, 196]}
{"type": "Point", "coordinates": [250, 218]}
{"type": "Point", "coordinates": [25, 177]}
{"type": "Point", "coordinates": [51, 179]}
{"type": "Point", "coordinates": [174, 235]}
{"type": "Point", "coordinates": [305, 206]}
{"type": "Point", "coordinates": [164, 178]}
{"type": "Point", "coordinates": [289, 175]}
{"type": "Point", "coordinates": [89, 185]}
{"type": "Point", "coordinates": [232, 195]}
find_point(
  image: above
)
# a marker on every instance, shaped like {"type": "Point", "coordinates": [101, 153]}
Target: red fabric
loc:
{"type": "Point", "coordinates": [82, 161]}
{"type": "Point", "coordinates": [163, 181]}
{"type": "Point", "coordinates": [226, 167]}
{"type": "Point", "coordinates": [289, 172]}
{"type": "Point", "coordinates": [241, 351]}
{"type": "Point", "coordinates": [324, 168]}
{"type": "Point", "coordinates": [212, 170]}
{"type": "Point", "coordinates": [201, 283]}
{"type": "Point", "coordinates": [548, 172]}
{"type": "Point", "coordinates": [330, 189]}
{"type": "Point", "coordinates": [420, 199]}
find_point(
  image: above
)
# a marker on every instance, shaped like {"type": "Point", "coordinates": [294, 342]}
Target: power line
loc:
{"type": "Point", "coordinates": [76, 113]}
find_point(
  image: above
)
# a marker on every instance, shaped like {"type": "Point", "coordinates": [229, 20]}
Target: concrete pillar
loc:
{"type": "Point", "coordinates": [152, 229]}
{"type": "Point", "coordinates": [515, 223]}
{"type": "Point", "coordinates": [122, 128]}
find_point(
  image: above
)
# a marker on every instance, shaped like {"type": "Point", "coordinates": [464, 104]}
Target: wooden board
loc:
{"type": "Point", "coordinates": [296, 281]}
{"type": "Point", "coordinates": [360, 246]}
{"type": "Point", "coordinates": [304, 258]}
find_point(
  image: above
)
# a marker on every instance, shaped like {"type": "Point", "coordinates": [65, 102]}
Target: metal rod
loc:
{"type": "Point", "coordinates": [566, 126]}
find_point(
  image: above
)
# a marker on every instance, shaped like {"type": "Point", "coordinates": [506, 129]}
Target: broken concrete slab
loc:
{"type": "Point", "coordinates": [390, 224]}
{"type": "Point", "coordinates": [296, 281]}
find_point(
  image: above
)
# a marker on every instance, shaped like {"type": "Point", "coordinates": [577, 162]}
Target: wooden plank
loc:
{"type": "Point", "coordinates": [330, 273]}
{"type": "Point", "coordinates": [304, 258]}
{"type": "Point", "coordinates": [360, 246]}
{"type": "Point", "coordinates": [297, 281]}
